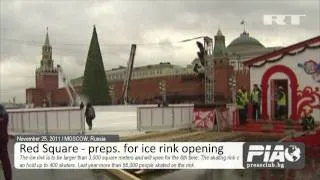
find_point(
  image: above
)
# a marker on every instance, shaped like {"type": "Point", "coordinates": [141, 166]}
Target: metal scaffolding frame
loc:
{"type": "Point", "coordinates": [209, 71]}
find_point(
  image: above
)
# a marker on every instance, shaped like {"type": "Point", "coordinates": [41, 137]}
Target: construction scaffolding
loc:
{"type": "Point", "coordinates": [209, 70]}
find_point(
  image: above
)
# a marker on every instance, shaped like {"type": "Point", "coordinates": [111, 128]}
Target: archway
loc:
{"type": "Point", "coordinates": [265, 86]}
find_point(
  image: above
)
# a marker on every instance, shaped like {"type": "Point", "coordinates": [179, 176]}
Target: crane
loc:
{"type": "Point", "coordinates": [128, 74]}
{"type": "Point", "coordinates": [75, 98]}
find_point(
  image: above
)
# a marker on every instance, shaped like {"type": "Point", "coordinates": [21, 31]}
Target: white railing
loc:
{"type": "Point", "coordinates": [66, 120]}
{"type": "Point", "coordinates": [181, 116]}
{"type": "Point", "coordinates": [173, 117]}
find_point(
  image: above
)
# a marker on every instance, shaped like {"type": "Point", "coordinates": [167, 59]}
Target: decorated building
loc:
{"type": "Point", "coordinates": [297, 69]}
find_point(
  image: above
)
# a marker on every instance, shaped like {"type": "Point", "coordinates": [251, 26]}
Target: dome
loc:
{"type": "Point", "coordinates": [244, 40]}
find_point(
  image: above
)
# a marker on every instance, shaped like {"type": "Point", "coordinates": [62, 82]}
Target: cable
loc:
{"type": "Point", "coordinates": [30, 42]}
{"type": "Point", "coordinates": [84, 51]}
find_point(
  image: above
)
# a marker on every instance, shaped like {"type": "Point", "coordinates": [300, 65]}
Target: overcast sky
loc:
{"type": "Point", "coordinates": [155, 26]}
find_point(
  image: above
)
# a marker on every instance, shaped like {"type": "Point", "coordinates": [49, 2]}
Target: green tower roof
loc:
{"type": "Point", "coordinates": [219, 45]}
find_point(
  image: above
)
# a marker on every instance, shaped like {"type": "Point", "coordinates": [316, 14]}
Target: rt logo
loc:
{"type": "Point", "coordinates": [273, 155]}
{"type": "Point", "coordinates": [282, 19]}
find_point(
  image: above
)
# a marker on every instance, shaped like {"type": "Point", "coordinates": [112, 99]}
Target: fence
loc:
{"type": "Point", "coordinates": [185, 116]}
{"type": "Point", "coordinates": [155, 118]}
{"type": "Point", "coordinates": [67, 120]}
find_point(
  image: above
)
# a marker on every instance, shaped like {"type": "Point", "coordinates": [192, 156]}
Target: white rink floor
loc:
{"type": "Point", "coordinates": [120, 119]}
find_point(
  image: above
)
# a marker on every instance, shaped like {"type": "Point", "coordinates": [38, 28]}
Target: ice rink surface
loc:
{"type": "Point", "coordinates": [116, 119]}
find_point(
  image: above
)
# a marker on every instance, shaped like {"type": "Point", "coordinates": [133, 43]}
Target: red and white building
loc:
{"type": "Point", "coordinates": [297, 69]}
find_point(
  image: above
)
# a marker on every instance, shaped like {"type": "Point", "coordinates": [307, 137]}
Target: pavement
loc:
{"type": "Point", "coordinates": [68, 174]}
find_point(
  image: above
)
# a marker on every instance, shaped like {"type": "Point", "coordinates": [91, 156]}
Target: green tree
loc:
{"type": "Point", "coordinates": [95, 86]}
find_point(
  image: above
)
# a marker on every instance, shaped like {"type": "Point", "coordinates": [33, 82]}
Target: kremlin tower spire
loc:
{"type": "Point", "coordinates": [219, 45]}
{"type": "Point", "coordinates": [46, 42]}
{"type": "Point", "coordinates": [47, 74]}
{"type": "Point", "coordinates": [47, 62]}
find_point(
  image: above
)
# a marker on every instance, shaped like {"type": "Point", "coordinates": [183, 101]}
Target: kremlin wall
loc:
{"type": "Point", "coordinates": [182, 84]}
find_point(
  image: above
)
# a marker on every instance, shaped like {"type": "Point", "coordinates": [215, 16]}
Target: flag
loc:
{"type": "Point", "coordinates": [242, 22]}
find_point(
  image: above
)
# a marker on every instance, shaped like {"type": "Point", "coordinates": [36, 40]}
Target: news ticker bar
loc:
{"type": "Point", "coordinates": [158, 155]}
{"type": "Point", "coordinates": [125, 155]}
{"type": "Point", "coordinates": [67, 138]}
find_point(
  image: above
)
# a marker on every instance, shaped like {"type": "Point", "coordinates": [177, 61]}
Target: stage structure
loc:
{"type": "Point", "coordinates": [205, 56]}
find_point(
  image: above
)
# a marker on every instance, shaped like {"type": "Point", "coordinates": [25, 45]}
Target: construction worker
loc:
{"type": "Point", "coordinates": [281, 103]}
{"type": "Point", "coordinates": [4, 138]}
{"type": "Point", "coordinates": [90, 115]}
{"type": "Point", "coordinates": [308, 123]}
{"type": "Point", "coordinates": [81, 105]}
{"type": "Point", "coordinates": [255, 98]}
{"type": "Point", "coordinates": [245, 95]}
{"type": "Point", "coordinates": [240, 100]}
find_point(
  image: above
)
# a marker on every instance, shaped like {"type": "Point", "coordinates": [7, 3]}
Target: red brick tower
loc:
{"type": "Point", "coordinates": [47, 78]}
{"type": "Point", "coordinates": [222, 69]}
{"type": "Point", "coordinates": [47, 74]}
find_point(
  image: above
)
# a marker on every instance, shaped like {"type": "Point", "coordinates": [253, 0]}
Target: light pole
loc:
{"type": "Point", "coordinates": [163, 89]}
{"type": "Point", "coordinates": [232, 85]}
{"type": "Point", "coordinates": [111, 93]}
{"type": "Point", "coordinates": [237, 58]}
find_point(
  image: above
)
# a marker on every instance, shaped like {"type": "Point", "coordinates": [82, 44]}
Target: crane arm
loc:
{"type": "Point", "coordinates": [127, 79]}
{"type": "Point", "coordinates": [68, 85]}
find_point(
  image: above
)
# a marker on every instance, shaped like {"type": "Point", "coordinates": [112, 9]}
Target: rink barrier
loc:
{"type": "Point", "coordinates": [183, 116]}
{"type": "Point", "coordinates": [159, 118]}
{"type": "Point", "coordinates": [65, 120]}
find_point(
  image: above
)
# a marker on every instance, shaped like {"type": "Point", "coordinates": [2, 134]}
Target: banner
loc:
{"type": "Point", "coordinates": [207, 118]}
{"type": "Point", "coordinates": [82, 152]}
{"type": "Point", "coordinates": [203, 118]}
